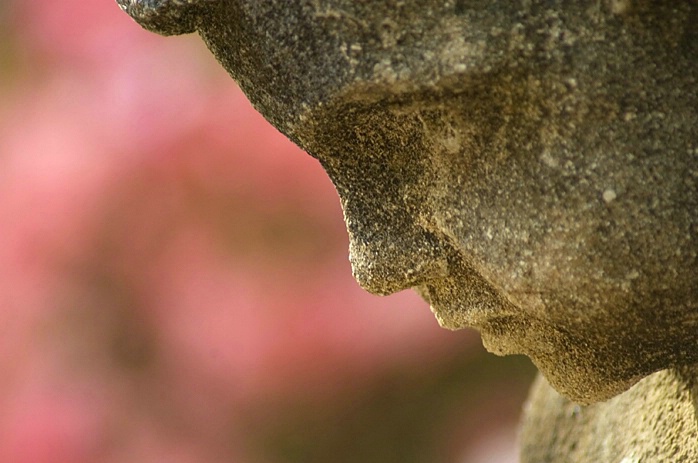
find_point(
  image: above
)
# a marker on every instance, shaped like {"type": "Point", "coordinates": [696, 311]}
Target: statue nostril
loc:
{"type": "Point", "coordinates": [165, 17]}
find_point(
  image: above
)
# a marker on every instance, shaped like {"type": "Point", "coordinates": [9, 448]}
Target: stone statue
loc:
{"type": "Point", "coordinates": [529, 167]}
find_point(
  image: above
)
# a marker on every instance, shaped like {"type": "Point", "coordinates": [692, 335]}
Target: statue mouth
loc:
{"type": "Point", "coordinates": [465, 300]}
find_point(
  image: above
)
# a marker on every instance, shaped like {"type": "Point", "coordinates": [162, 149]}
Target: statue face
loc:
{"type": "Point", "coordinates": [531, 170]}
{"type": "Point", "coordinates": [577, 249]}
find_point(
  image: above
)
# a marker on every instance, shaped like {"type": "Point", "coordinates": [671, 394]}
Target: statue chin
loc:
{"type": "Point", "coordinates": [578, 361]}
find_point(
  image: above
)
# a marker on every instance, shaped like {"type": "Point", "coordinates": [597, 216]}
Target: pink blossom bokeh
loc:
{"type": "Point", "coordinates": [175, 285]}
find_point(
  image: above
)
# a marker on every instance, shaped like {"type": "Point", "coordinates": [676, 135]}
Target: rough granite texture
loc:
{"type": "Point", "coordinates": [653, 422]}
{"type": "Point", "coordinates": [529, 167]}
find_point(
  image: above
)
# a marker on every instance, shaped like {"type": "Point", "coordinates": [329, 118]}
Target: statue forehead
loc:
{"type": "Point", "coordinates": [291, 57]}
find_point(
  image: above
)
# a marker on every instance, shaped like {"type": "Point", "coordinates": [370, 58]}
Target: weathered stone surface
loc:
{"type": "Point", "coordinates": [654, 421]}
{"type": "Point", "coordinates": [530, 168]}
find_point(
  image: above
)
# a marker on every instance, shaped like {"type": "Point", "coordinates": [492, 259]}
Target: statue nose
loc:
{"type": "Point", "coordinates": [389, 252]}
{"type": "Point", "coordinates": [384, 178]}
{"type": "Point", "coordinates": [166, 17]}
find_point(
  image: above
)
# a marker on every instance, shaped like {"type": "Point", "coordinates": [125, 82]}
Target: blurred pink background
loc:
{"type": "Point", "coordinates": [175, 285]}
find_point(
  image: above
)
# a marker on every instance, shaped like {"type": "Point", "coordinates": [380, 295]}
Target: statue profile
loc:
{"type": "Point", "coordinates": [529, 168]}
